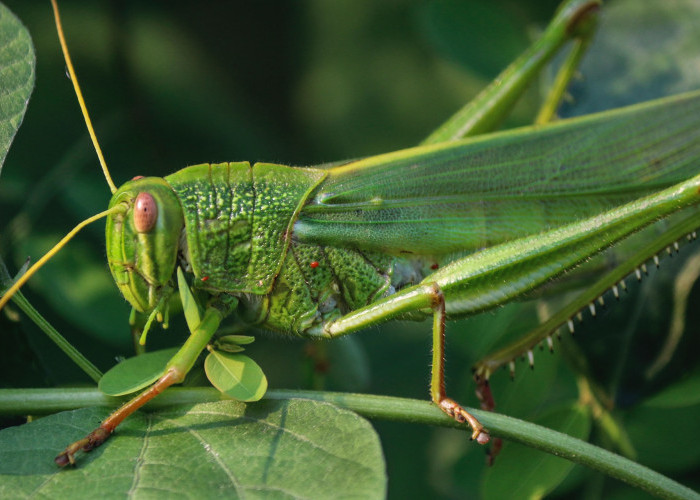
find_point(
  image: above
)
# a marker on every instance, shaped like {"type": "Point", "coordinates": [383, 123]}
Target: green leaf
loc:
{"type": "Point", "coordinates": [190, 307]}
{"type": "Point", "coordinates": [617, 73]}
{"type": "Point", "coordinates": [236, 375]}
{"type": "Point", "coordinates": [349, 364]}
{"type": "Point", "coordinates": [273, 449]}
{"type": "Point", "coordinates": [522, 472]}
{"type": "Point", "coordinates": [16, 77]}
{"type": "Point", "coordinates": [683, 393]}
{"type": "Point", "coordinates": [500, 34]}
{"type": "Point", "coordinates": [233, 343]}
{"type": "Point", "coordinates": [229, 348]}
{"type": "Point", "coordinates": [237, 339]}
{"type": "Point", "coordinates": [677, 449]}
{"type": "Point", "coordinates": [135, 373]}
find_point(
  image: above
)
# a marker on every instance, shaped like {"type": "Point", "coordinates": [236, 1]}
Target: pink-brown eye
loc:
{"type": "Point", "coordinates": [145, 212]}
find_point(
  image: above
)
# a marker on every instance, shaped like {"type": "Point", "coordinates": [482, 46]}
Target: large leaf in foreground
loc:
{"type": "Point", "coordinates": [273, 449]}
{"type": "Point", "coordinates": [16, 77]}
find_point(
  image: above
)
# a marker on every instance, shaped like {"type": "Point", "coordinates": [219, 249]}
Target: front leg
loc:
{"type": "Point", "coordinates": [175, 372]}
{"type": "Point", "coordinates": [173, 375]}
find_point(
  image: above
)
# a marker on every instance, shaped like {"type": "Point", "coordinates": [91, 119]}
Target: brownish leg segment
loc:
{"type": "Point", "coordinates": [178, 367]}
{"type": "Point", "coordinates": [100, 435]}
{"type": "Point", "coordinates": [437, 379]}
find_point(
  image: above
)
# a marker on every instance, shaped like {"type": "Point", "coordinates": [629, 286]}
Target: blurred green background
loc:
{"type": "Point", "coordinates": [170, 84]}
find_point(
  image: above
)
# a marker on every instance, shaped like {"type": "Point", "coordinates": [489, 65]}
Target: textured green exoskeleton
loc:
{"type": "Point", "coordinates": [323, 253]}
{"type": "Point", "coordinates": [370, 231]}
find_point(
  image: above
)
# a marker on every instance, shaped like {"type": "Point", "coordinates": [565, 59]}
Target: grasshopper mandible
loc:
{"type": "Point", "coordinates": [325, 252]}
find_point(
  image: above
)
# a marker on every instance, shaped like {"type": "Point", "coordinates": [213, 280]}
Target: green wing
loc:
{"type": "Point", "coordinates": [467, 195]}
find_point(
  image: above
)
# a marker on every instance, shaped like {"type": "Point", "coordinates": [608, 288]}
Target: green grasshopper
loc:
{"type": "Point", "coordinates": [448, 229]}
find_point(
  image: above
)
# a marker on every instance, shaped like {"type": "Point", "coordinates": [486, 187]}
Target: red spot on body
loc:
{"type": "Point", "coordinates": [137, 177]}
{"type": "Point", "coordinates": [314, 264]}
{"type": "Point", "coordinates": [205, 278]}
{"type": "Point", "coordinates": [434, 266]}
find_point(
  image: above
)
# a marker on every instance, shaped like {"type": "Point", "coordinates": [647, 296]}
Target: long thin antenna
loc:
{"type": "Point", "coordinates": [23, 279]}
{"type": "Point", "coordinates": [79, 94]}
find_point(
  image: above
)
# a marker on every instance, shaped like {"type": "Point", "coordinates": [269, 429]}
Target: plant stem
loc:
{"type": "Point", "coordinates": [40, 401]}
{"type": "Point", "coordinates": [20, 301]}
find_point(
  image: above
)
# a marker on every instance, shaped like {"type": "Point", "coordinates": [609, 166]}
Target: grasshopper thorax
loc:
{"type": "Point", "coordinates": [142, 242]}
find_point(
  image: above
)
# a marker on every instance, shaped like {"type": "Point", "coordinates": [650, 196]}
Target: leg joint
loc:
{"type": "Point", "coordinates": [437, 298]}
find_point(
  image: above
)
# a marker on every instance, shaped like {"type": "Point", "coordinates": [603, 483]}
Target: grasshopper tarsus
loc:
{"type": "Point", "coordinates": [459, 414]}
{"type": "Point", "coordinates": [93, 440]}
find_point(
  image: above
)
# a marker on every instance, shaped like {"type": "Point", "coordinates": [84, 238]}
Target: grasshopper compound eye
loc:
{"type": "Point", "coordinates": [145, 213]}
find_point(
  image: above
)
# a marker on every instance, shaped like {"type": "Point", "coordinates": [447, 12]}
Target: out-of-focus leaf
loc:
{"type": "Point", "coordinates": [475, 48]}
{"type": "Point", "coordinates": [522, 472]}
{"type": "Point", "coordinates": [642, 51]}
{"type": "Point", "coordinates": [349, 366]}
{"type": "Point", "coordinates": [684, 393]}
{"type": "Point", "coordinates": [666, 439]}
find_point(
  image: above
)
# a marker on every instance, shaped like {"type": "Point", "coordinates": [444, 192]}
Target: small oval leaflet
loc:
{"type": "Point", "coordinates": [136, 373]}
{"type": "Point", "coordinates": [237, 339]}
{"type": "Point", "coordinates": [236, 375]}
{"type": "Point", "coordinates": [233, 343]}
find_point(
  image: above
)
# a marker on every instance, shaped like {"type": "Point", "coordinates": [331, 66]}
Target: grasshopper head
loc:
{"type": "Point", "coordinates": [142, 243]}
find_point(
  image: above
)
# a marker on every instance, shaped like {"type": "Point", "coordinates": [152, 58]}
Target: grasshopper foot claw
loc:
{"type": "Point", "coordinates": [93, 440]}
{"type": "Point", "coordinates": [454, 410]}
